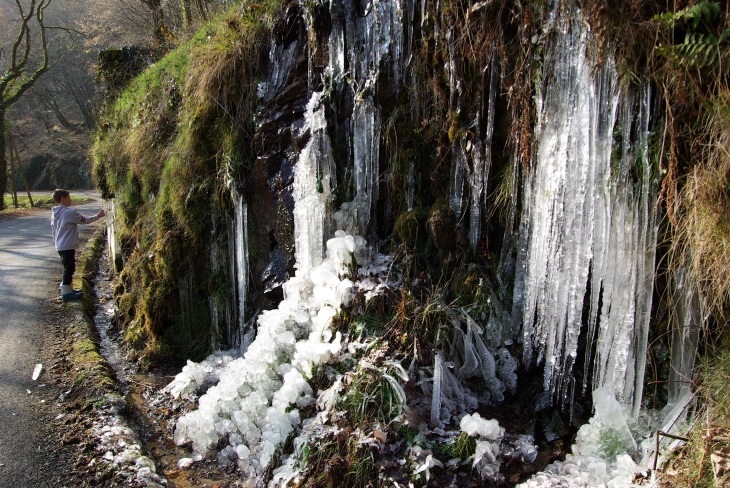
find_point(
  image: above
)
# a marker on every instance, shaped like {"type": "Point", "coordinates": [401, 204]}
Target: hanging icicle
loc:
{"type": "Point", "coordinates": [586, 213]}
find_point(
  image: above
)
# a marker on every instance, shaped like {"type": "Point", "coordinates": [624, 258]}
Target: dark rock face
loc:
{"type": "Point", "coordinates": [278, 140]}
{"type": "Point", "coordinates": [375, 69]}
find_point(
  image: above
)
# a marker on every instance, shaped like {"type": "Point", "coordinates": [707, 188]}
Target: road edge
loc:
{"type": "Point", "coordinates": [117, 445]}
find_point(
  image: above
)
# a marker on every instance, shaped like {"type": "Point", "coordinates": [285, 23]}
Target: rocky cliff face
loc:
{"type": "Point", "coordinates": [453, 134]}
{"type": "Point", "coordinates": [512, 159]}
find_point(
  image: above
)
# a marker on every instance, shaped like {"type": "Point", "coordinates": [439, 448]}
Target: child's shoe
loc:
{"type": "Point", "coordinates": [74, 295]}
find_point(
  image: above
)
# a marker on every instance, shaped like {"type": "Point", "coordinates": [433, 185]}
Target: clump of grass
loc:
{"type": "Point", "coordinates": [702, 241]}
{"type": "Point", "coordinates": [374, 394]}
{"type": "Point", "coordinates": [361, 461]}
{"type": "Point", "coordinates": [463, 447]}
{"type": "Point", "coordinates": [338, 460]}
{"type": "Point", "coordinates": [692, 466]}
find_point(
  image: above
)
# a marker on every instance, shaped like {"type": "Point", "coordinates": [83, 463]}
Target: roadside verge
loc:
{"type": "Point", "coordinates": [117, 456]}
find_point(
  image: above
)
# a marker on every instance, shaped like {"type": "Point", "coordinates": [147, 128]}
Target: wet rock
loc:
{"type": "Point", "coordinates": [275, 275]}
{"type": "Point", "coordinates": [553, 426]}
{"type": "Point", "coordinates": [542, 402]}
{"type": "Point", "coordinates": [287, 27]}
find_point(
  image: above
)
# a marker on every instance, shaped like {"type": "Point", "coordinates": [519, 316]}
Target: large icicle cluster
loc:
{"type": "Point", "coordinates": [313, 181]}
{"type": "Point", "coordinates": [587, 211]}
{"type": "Point", "coordinates": [255, 405]}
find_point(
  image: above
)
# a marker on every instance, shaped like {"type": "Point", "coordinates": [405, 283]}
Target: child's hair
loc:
{"type": "Point", "coordinates": [59, 194]}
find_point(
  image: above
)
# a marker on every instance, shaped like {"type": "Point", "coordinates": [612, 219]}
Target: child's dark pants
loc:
{"type": "Point", "coordinates": [68, 258]}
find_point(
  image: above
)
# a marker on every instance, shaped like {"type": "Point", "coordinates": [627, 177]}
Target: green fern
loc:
{"type": "Point", "coordinates": [704, 11]}
{"type": "Point", "coordinates": [704, 46]}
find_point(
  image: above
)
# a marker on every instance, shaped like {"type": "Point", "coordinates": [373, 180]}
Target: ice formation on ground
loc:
{"type": "Point", "coordinates": [255, 405]}
{"type": "Point", "coordinates": [489, 434]}
{"type": "Point", "coordinates": [449, 395]}
{"type": "Point", "coordinates": [119, 447]}
{"type": "Point", "coordinates": [428, 462]}
{"type": "Point", "coordinates": [604, 452]}
{"type": "Point", "coordinates": [195, 376]}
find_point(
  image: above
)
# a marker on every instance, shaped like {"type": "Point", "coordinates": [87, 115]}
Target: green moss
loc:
{"type": "Point", "coordinates": [410, 227]}
{"type": "Point", "coordinates": [169, 148]}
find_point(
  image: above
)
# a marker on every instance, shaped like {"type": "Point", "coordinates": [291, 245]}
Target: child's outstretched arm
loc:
{"type": "Point", "coordinates": [77, 218]}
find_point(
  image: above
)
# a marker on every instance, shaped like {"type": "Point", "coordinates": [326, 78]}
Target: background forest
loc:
{"type": "Point", "coordinates": [51, 124]}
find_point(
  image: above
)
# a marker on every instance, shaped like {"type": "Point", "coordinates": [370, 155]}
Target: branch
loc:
{"type": "Point", "coordinates": [67, 30]}
{"type": "Point", "coordinates": [25, 86]}
{"type": "Point", "coordinates": [15, 68]}
{"type": "Point", "coordinates": [24, 32]}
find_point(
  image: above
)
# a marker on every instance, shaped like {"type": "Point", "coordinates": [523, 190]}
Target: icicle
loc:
{"type": "Point", "coordinates": [646, 258]}
{"type": "Point", "coordinates": [337, 42]}
{"type": "Point", "coordinates": [458, 174]}
{"type": "Point", "coordinates": [482, 158]}
{"type": "Point", "coordinates": [366, 145]}
{"type": "Point", "coordinates": [313, 178]}
{"type": "Point", "coordinates": [629, 256]}
{"type": "Point", "coordinates": [584, 217]}
{"type": "Point", "coordinates": [241, 241]}
{"type": "Point", "coordinates": [410, 195]}
{"type": "Point", "coordinates": [477, 184]}
{"type": "Point", "coordinates": [686, 321]}
{"type": "Point", "coordinates": [436, 395]}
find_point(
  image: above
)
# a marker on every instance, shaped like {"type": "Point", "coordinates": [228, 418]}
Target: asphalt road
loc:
{"type": "Point", "coordinates": [30, 271]}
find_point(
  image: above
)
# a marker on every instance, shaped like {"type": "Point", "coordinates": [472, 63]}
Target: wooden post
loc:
{"type": "Point", "coordinates": [13, 149]}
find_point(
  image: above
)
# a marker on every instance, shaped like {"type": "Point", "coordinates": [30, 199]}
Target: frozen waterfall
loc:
{"type": "Point", "coordinates": [590, 226]}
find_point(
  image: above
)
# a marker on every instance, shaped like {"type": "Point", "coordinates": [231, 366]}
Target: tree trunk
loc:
{"type": "Point", "coordinates": [186, 12]}
{"type": "Point", "coordinates": [3, 161]}
{"type": "Point", "coordinates": [86, 112]}
{"type": "Point", "coordinates": [14, 154]}
{"type": "Point", "coordinates": [12, 178]}
{"type": "Point", "coordinates": [61, 118]}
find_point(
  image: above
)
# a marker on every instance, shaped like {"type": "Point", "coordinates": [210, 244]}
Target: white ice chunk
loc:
{"type": "Point", "coordinates": [37, 371]}
{"type": "Point", "coordinates": [476, 426]}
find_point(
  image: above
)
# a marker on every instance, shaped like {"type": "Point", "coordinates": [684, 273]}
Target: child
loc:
{"type": "Point", "coordinates": [64, 224]}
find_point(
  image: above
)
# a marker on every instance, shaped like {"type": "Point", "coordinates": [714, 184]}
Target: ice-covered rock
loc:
{"type": "Point", "coordinates": [476, 426]}
{"type": "Point", "coordinates": [195, 375]}
{"type": "Point", "coordinates": [255, 403]}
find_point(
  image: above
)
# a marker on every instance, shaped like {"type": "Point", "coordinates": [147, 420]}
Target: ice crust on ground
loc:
{"type": "Point", "coordinates": [255, 404]}
{"type": "Point", "coordinates": [602, 454]}
{"type": "Point", "coordinates": [120, 447]}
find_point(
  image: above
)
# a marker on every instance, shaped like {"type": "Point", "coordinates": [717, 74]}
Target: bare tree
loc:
{"type": "Point", "coordinates": [21, 71]}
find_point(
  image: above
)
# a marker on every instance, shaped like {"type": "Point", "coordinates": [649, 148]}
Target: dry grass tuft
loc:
{"type": "Point", "coordinates": [692, 465]}
{"type": "Point", "coordinates": [702, 241]}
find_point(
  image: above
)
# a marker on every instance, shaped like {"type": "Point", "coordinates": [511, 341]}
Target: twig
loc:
{"type": "Point", "coordinates": [656, 443]}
